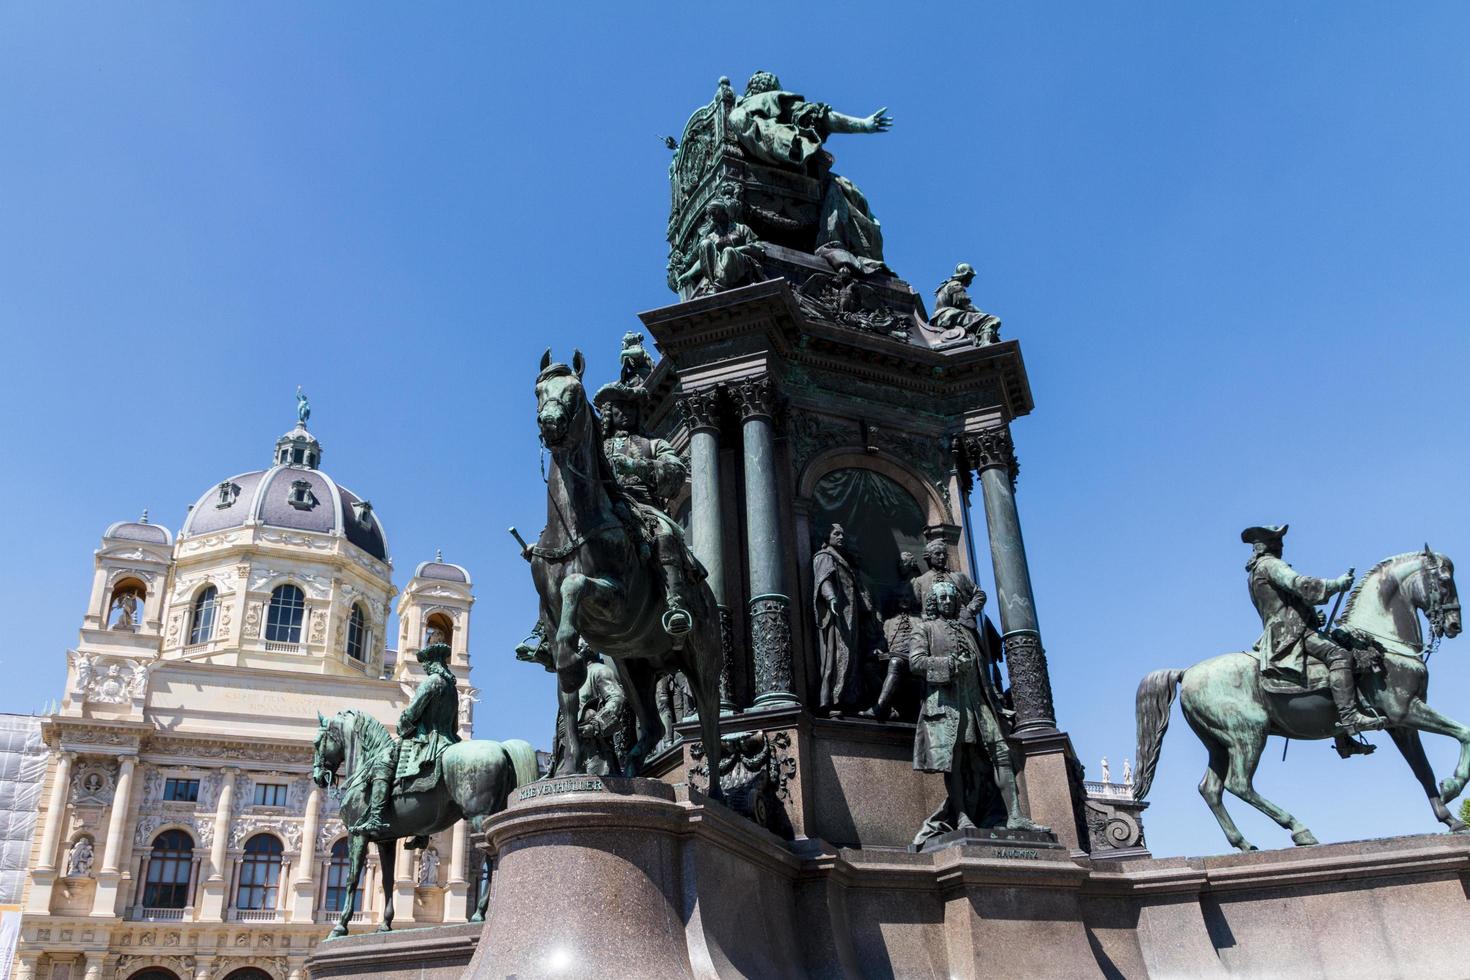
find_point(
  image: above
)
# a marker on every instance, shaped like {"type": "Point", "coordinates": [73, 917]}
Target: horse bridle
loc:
{"type": "Point", "coordinates": [1436, 607]}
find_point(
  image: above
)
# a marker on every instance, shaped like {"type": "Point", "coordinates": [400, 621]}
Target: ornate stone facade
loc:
{"type": "Point", "coordinates": [181, 751]}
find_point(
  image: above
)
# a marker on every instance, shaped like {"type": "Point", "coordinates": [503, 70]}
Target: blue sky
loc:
{"type": "Point", "coordinates": [1230, 238]}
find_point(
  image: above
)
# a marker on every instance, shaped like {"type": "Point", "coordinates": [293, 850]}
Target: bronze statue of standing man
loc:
{"type": "Point", "coordinates": [843, 609]}
{"type": "Point", "coordinates": [960, 731]}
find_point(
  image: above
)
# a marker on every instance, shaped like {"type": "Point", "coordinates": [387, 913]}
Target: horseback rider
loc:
{"type": "Point", "coordinates": [427, 727]}
{"type": "Point", "coordinates": [648, 471]}
{"type": "Point", "coordinates": [1287, 601]}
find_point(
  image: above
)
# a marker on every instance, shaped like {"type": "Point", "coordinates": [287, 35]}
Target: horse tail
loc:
{"type": "Point", "coordinates": [1156, 694]}
{"type": "Point", "coordinates": [523, 760]}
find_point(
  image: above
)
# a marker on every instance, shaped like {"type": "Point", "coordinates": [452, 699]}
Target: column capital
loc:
{"type": "Point", "coordinates": [66, 755]}
{"type": "Point", "coordinates": [990, 448]}
{"type": "Point", "coordinates": [755, 397]}
{"type": "Point", "coordinates": [701, 408]}
{"type": "Point", "coordinates": [128, 760]}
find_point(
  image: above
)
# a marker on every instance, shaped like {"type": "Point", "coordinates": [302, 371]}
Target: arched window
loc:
{"type": "Point", "coordinates": [283, 619]}
{"type": "Point", "coordinates": [338, 874]}
{"type": "Point", "coordinates": [201, 628]}
{"type": "Point", "coordinates": [167, 884]}
{"type": "Point", "coordinates": [152, 973]}
{"type": "Point", "coordinates": [357, 634]}
{"type": "Point", "coordinates": [438, 628]}
{"type": "Point", "coordinates": [260, 873]}
{"type": "Point", "coordinates": [248, 973]}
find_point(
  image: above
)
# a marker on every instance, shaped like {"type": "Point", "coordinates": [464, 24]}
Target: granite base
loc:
{"type": "Point", "coordinates": [638, 878]}
{"type": "Point", "coordinates": [430, 953]}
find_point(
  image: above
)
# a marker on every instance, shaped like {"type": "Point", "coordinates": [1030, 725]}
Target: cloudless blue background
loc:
{"type": "Point", "coordinates": [1231, 238]}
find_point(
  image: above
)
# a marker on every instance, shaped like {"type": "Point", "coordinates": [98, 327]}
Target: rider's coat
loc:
{"type": "Point", "coordinates": [427, 727]}
{"type": "Point", "coordinates": [1286, 601]}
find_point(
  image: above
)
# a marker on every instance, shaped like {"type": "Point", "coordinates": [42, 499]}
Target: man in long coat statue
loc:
{"type": "Point", "coordinates": [843, 611]}
{"type": "Point", "coordinates": [960, 732]}
{"type": "Point", "coordinates": [428, 726]}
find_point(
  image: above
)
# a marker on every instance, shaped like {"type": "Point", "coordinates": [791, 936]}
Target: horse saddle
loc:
{"type": "Point", "coordinates": [1292, 681]}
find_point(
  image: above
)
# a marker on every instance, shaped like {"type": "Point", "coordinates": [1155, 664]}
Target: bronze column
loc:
{"type": "Point", "coordinates": [991, 452]}
{"type": "Point", "coordinates": [770, 622]}
{"type": "Point", "coordinates": [706, 525]}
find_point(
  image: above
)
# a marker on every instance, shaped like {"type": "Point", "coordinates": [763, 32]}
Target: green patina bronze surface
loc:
{"type": "Point", "coordinates": [1304, 681]}
{"type": "Point", "coordinates": [410, 789]}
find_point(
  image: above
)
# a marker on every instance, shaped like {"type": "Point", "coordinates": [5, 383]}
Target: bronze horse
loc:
{"type": "Point", "coordinates": [478, 776]}
{"type": "Point", "coordinates": [1225, 704]}
{"type": "Point", "coordinates": [595, 583]}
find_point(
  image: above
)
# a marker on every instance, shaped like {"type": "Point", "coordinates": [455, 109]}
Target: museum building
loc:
{"type": "Point", "coordinates": [180, 836]}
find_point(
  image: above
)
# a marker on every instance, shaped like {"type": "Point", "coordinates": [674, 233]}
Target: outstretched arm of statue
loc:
{"type": "Point", "coordinates": [1313, 590]}
{"type": "Point", "coordinates": [878, 122]}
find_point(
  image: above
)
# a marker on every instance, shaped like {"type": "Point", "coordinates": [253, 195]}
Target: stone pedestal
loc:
{"type": "Point", "coordinates": [432, 953]}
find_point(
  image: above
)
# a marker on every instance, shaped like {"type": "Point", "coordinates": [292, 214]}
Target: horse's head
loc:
{"type": "Point", "coordinates": [1440, 600]}
{"type": "Point", "coordinates": [560, 398]}
{"type": "Point", "coordinates": [328, 751]}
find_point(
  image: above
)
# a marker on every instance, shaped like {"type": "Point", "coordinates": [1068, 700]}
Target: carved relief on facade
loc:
{"type": "Point", "coordinates": [225, 965]}
{"type": "Point", "coordinates": [332, 830]}
{"type": "Point", "coordinates": [128, 964]}
{"type": "Point", "coordinates": [191, 545]}
{"type": "Point", "coordinates": [287, 830]}
{"type": "Point", "coordinates": [93, 781]}
{"type": "Point", "coordinates": [252, 621]}
{"type": "Point", "coordinates": [108, 680]}
{"type": "Point", "coordinates": [318, 625]}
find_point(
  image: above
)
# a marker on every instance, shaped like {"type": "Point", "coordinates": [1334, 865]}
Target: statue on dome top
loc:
{"type": "Point", "coordinates": [303, 407]}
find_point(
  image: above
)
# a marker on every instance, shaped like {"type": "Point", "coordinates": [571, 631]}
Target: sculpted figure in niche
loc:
{"type": "Point", "coordinates": [79, 861]}
{"type": "Point", "coordinates": [844, 611]}
{"type": "Point", "coordinates": [600, 719]}
{"type": "Point", "coordinates": [784, 130]}
{"type": "Point", "coordinates": [727, 254]}
{"type": "Point", "coordinates": [903, 610]}
{"type": "Point", "coordinates": [126, 604]}
{"type": "Point", "coordinates": [957, 315]}
{"type": "Point", "coordinates": [960, 729]}
{"type": "Point", "coordinates": [428, 868]}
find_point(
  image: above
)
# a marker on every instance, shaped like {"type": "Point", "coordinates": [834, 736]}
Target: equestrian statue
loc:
{"type": "Point", "coordinates": [1310, 679]}
{"type": "Point", "coordinates": [424, 782]}
{"type": "Point", "coordinates": [612, 568]}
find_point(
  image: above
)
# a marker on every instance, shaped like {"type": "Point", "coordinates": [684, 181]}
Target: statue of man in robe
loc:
{"type": "Point", "coordinates": [843, 610]}
{"type": "Point", "coordinates": [783, 129]}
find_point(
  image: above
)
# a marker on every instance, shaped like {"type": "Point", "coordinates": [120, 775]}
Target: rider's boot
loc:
{"type": "Point", "coordinates": [373, 825]}
{"type": "Point", "coordinates": [676, 621]}
{"type": "Point", "coordinates": [1005, 780]}
{"type": "Point", "coordinates": [884, 706]}
{"type": "Point", "coordinates": [1348, 747]}
{"type": "Point", "coordinates": [1350, 720]}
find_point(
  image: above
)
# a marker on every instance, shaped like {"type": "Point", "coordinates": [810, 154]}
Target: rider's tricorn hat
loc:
{"type": "Point", "coordinates": [616, 391]}
{"type": "Point", "coordinates": [1265, 534]}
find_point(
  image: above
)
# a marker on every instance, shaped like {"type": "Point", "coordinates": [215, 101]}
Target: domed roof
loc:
{"type": "Point", "coordinates": [442, 570]}
{"type": "Point", "coordinates": [291, 494]}
{"type": "Point", "coordinates": [138, 531]}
